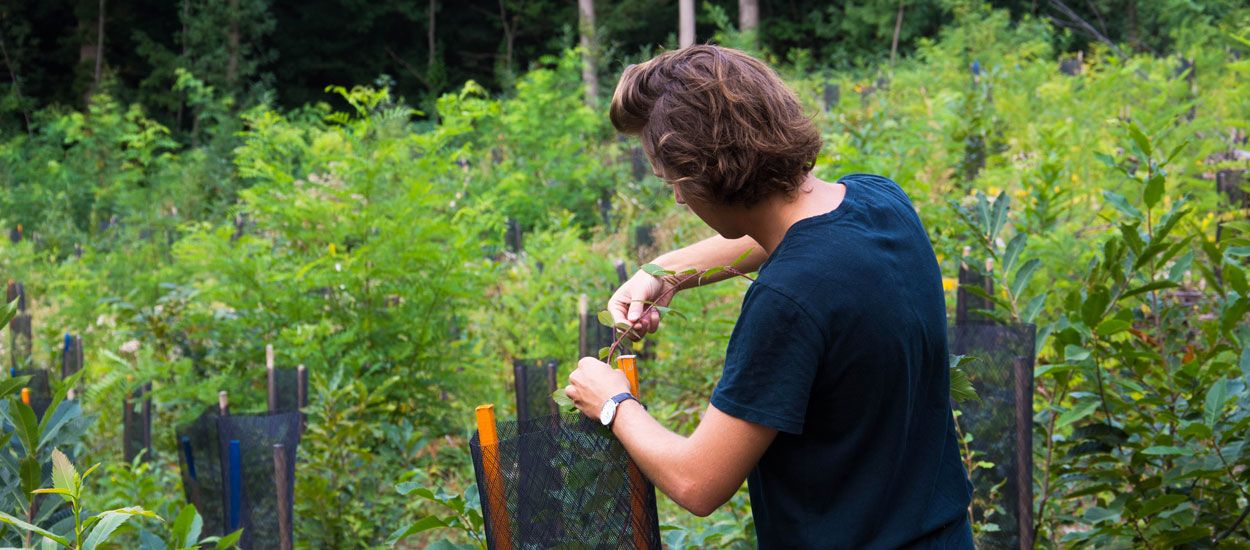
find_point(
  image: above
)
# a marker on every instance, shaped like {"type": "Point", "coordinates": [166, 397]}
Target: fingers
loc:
{"type": "Point", "coordinates": [635, 311]}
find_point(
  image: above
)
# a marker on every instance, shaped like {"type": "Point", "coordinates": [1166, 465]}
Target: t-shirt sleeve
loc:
{"type": "Point", "coordinates": [771, 362]}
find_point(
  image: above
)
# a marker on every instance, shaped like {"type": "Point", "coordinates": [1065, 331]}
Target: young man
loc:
{"type": "Point", "coordinates": [834, 401]}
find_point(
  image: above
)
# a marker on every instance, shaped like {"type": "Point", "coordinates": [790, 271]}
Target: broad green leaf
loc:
{"type": "Point", "coordinates": [31, 474]}
{"type": "Point", "coordinates": [1181, 267]}
{"type": "Point", "coordinates": [10, 386]}
{"type": "Point", "coordinates": [1112, 326]}
{"type": "Point", "coordinates": [1217, 395]}
{"type": "Point", "coordinates": [1245, 362]}
{"type": "Point", "coordinates": [1236, 278]}
{"type": "Point", "coordinates": [742, 257]}
{"type": "Point", "coordinates": [26, 426]}
{"type": "Point", "coordinates": [1153, 191]}
{"type": "Point", "coordinates": [187, 527]}
{"type": "Point", "coordinates": [229, 541]}
{"type": "Point", "coordinates": [709, 273]}
{"type": "Point", "coordinates": [8, 313]}
{"type": "Point", "coordinates": [1030, 311]}
{"type": "Point", "coordinates": [655, 270]}
{"type": "Point", "coordinates": [1175, 151]}
{"type": "Point", "coordinates": [1120, 203]}
{"type": "Point", "coordinates": [1014, 247]}
{"type": "Point", "coordinates": [604, 352]}
{"type": "Point", "coordinates": [64, 475]}
{"type": "Point", "coordinates": [1023, 276]}
{"type": "Point", "coordinates": [1078, 412]}
{"type": "Point", "coordinates": [961, 387]}
{"type": "Point", "coordinates": [1075, 353]}
{"type": "Point", "coordinates": [562, 399]}
{"type": "Point", "coordinates": [424, 524]}
{"type": "Point", "coordinates": [109, 522]}
{"type": "Point", "coordinates": [1140, 139]}
{"type": "Point", "coordinates": [1167, 450]}
{"type": "Point", "coordinates": [605, 318]}
{"type": "Point", "coordinates": [1097, 514]}
{"type": "Point", "coordinates": [1148, 287]}
{"type": "Point", "coordinates": [5, 518]}
{"type": "Point", "coordinates": [1001, 202]}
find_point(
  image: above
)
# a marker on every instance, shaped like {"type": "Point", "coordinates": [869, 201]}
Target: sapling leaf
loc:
{"type": "Point", "coordinates": [690, 271]}
{"type": "Point", "coordinates": [5, 518]}
{"type": "Point", "coordinates": [1153, 191]}
{"type": "Point", "coordinates": [1175, 151]}
{"type": "Point", "coordinates": [655, 270]}
{"type": "Point", "coordinates": [605, 318]}
{"type": "Point", "coordinates": [1140, 139]}
{"type": "Point", "coordinates": [8, 313]}
{"type": "Point", "coordinates": [742, 257]}
{"type": "Point", "coordinates": [1014, 247]}
{"type": "Point", "coordinates": [64, 475]}
{"type": "Point", "coordinates": [603, 353]}
{"type": "Point", "coordinates": [1217, 395]}
{"type": "Point", "coordinates": [961, 386]}
{"type": "Point", "coordinates": [709, 273]}
{"type": "Point", "coordinates": [562, 399]}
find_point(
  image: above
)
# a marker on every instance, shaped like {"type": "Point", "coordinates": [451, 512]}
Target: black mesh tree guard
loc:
{"type": "Point", "coordinates": [39, 388]}
{"type": "Point", "coordinates": [20, 329]}
{"type": "Point", "coordinates": [562, 481]}
{"type": "Point", "coordinates": [288, 387]}
{"type": "Point", "coordinates": [534, 380]}
{"type": "Point", "coordinates": [137, 424]}
{"type": "Point", "coordinates": [1001, 424]}
{"type": "Point", "coordinates": [230, 470]}
{"type": "Point", "coordinates": [966, 302]}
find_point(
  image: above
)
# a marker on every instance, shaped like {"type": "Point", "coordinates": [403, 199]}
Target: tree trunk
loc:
{"type": "Point", "coordinates": [898, 27]}
{"type": "Point", "coordinates": [508, 37]}
{"type": "Point", "coordinates": [748, 15]}
{"type": "Point", "coordinates": [429, 39]}
{"type": "Point", "coordinates": [590, 74]}
{"type": "Point", "coordinates": [99, 48]}
{"type": "Point", "coordinates": [685, 29]}
{"type": "Point", "coordinates": [232, 44]}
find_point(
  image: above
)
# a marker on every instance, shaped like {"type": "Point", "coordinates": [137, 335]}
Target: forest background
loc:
{"type": "Point", "coordinates": [184, 183]}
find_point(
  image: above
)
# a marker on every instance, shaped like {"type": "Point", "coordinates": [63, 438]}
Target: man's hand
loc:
{"type": "Point", "coordinates": [592, 384]}
{"type": "Point", "coordinates": [628, 303]}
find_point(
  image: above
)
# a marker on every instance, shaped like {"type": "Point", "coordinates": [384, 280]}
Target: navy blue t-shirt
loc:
{"type": "Point", "coordinates": [841, 347]}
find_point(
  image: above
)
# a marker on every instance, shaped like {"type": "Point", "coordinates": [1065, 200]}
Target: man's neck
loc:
{"type": "Point", "coordinates": [770, 220]}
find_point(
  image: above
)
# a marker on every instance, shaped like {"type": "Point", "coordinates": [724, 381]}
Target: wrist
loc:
{"type": "Point", "coordinates": [625, 412]}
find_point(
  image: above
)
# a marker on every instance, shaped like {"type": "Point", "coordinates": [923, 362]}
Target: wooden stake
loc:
{"type": "Point", "coordinates": [26, 396]}
{"type": "Point", "coordinates": [282, 485]}
{"type": "Point", "coordinates": [223, 402]}
{"type": "Point", "coordinates": [301, 387]}
{"type": "Point", "coordinates": [272, 377]}
{"type": "Point", "coordinates": [488, 438]}
{"type": "Point", "coordinates": [638, 484]}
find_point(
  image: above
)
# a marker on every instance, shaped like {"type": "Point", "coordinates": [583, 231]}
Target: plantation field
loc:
{"type": "Point", "coordinates": [367, 240]}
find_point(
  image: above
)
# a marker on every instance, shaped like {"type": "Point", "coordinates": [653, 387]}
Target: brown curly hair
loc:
{"type": "Point", "coordinates": [721, 124]}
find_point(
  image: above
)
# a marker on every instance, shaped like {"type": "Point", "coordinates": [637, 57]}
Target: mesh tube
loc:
{"type": "Point", "coordinates": [566, 482]}
{"type": "Point", "coordinates": [534, 381]}
{"type": "Point", "coordinates": [1001, 424]}
{"type": "Point", "coordinates": [199, 459]}
{"type": "Point", "coordinates": [256, 435]}
{"type": "Point", "coordinates": [286, 381]}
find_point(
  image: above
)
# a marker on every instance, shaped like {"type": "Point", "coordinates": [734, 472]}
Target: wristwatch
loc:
{"type": "Point", "coordinates": [608, 413]}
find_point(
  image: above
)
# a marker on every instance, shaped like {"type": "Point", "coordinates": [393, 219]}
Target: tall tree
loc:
{"type": "Point", "coordinates": [685, 21]}
{"type": "Point", "coordinates": [590, 70]}
{"type": "Point", "coordinates": [748, 15]}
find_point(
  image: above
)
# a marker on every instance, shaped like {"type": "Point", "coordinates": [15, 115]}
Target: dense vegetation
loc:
{"type": "Point", "coordinates": [365, 241]}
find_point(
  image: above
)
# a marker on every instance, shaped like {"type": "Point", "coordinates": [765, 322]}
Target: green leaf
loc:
{"type": "Point", "coordinates": [10, 386]}
{"type": "Point", "coordinates": [110, 521]}
{"type": "Point", "coordinates": [605, 318]}
{"type": "Point", "coordinates": [742, 257]}
{"type": "Point", "coordinates": [1236, 278]}
{"type": "Point", "coordinates": [1175, 151]}
{"type": "Point", "coordinates": [710, 272]}
{"type": "Point", "coordinates": [1140, 139]}
{"type": "Point", "coordinates": [1217, 395]}
{"type": "Point", "coordinates": [562, 399]}
{"type": "Point", "coordinates": [1023, 276]}
{"type": "Point", "coordinates": [229, 541]}
{"type": "Point", "coordinates": [1167, 450]}
{"type": "Point", "coordinates": [655, 270]}
{"type": "Point", "coordinates": [31, 474]}
{"type": "Point", "coordinates": [961, 386]}
{"type": "Point", "coordinates": [1078, 412]}
{"type": "Point", "coordinates": [1075, 353]}
{"type": "Point", "coordinates": [8, 313]}
{"type": "Point", "coordinates": [63, 492]}
{"type": "Point", "coordinates": [64, 475]}
{"type": "Point", "coordinates": [1245, 363]}
{"type": "Point", "coordinates": [1000, 214]}
{"type": "Point", "coordinates": [5, 518]}
{"type": "Point", "coordinates": [187, 527]}
{"type": "Point", "coordinates": [424, 524]}
{"type": "Point", "coordinates": [1014, 247]}
{"type": "Point", "coordinates": [1153, 191]}
{"type": "Point", "coordinates": [26, 425]}
{"type": "Point", "coordinates": [1029, 314]}
{"type": "Point", "coordinates": [1096, 514]}
{"type": "Point", "coordinates": [1120, 203]}
{"type": "Point", "coordinates": [604, 352]}
{"type": "Point", "coordinates": [1149, 287]}
{"type": "Point", "coordinates": [1112, 326]}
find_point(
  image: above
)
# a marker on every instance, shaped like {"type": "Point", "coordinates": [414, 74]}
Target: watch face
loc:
{"type": "Point", "coordinates": [608, 411]}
